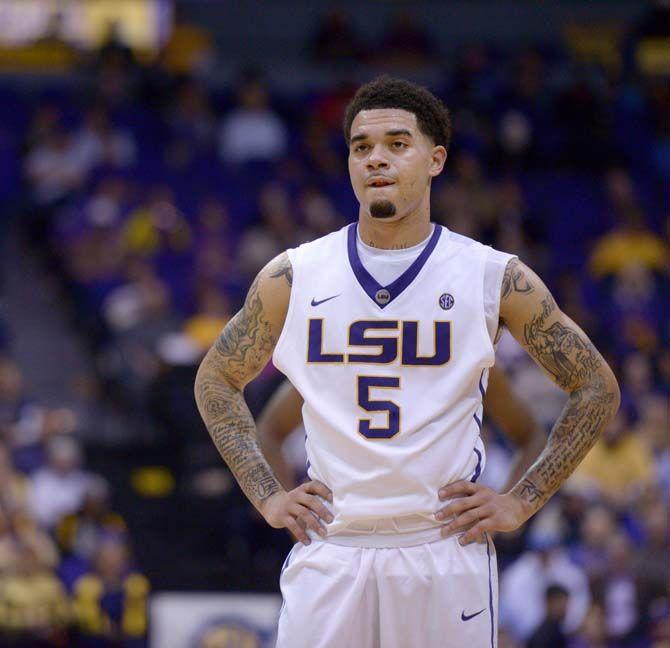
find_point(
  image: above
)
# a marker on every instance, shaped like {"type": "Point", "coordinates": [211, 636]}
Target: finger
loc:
{"type": "Point", "coordinates": [476, 533]}
{"type": "Point", "coordinates": [315, 505]}
{"type": "Point", "coordinates": [470, 517]}
{"type": "Point", "coordinates": [297, 531]}
{"type": "Point", "coordinates": [459, 489]}
{"type": "Point", "coordinates": [318, 488]}
{"type": "Point", "coordinates": [462, 504]}
{"type": "Point", "coordinates": [306, 517]}
{"type": "Point", "coordinates": [447, 533]}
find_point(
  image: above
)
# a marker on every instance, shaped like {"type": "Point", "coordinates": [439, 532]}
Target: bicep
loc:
{"type": "Point", "coordinates": [248, 339]}
{"type": "Point", "coordinates": [555, 342]}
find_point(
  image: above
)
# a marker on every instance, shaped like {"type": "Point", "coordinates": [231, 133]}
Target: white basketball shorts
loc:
{"type": "Point", "coordinates": [389, 591]}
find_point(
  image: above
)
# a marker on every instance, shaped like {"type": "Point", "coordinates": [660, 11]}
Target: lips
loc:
{"type": "Point", "coordinates": [379, 182]}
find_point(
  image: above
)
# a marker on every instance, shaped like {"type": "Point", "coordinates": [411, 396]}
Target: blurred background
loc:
{"type": "Point", "coordinates": [155, 154]}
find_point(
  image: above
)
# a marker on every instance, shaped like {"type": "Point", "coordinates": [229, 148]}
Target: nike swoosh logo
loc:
{"type": "Point", "coordinates": [467, 617]}
{"type": "Point", "coordinates": [321, 301]}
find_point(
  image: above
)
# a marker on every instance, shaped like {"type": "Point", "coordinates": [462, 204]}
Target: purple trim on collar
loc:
{"type": "Point", "coordinates": [370, 284]}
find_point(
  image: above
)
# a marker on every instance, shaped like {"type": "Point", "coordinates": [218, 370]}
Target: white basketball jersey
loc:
{"type": "Point", "coordinates": [392, 376]}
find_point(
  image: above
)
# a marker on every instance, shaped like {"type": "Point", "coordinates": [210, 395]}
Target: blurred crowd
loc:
{"type": "Point", "coordinates": [154, 198]}
{"type": "Point", "coordinates": [67, 576]}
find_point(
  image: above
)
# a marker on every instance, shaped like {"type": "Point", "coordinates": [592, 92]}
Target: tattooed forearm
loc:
{"type": "Point", "coordinates": [514, 280]}
{"type": "Point", "coordinates": [529, 491]}
{"type": "Point", "coordinates": [242, 350]}
{"type": "Point", "coordinates": [584, 416]}
{"type": "Point", "coordinates": [233, 432]}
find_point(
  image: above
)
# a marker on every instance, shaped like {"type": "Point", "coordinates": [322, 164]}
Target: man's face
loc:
{"type": "Point", "coordinates": [391, 162]}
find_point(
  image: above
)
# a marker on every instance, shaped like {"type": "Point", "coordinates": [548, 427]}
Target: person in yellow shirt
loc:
{"type": "Point", "coordinates": [631, 242]}
{"type": "Point", "coordinates": [619, 467]}
{"type": "Point", "coordinates": [34, 608]}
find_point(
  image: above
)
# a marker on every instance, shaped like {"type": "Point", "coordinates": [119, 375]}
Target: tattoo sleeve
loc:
{"type": "Point", "coordinates": [565, 353]}
{"type": "Point", "coordinates": [239, 354]}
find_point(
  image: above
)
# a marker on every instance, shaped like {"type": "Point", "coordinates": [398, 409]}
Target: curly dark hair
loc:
{"type": "Point", "coordinates": [432, 115]}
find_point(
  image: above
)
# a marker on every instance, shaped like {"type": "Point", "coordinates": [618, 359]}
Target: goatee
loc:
{"type": "Point", "coordinates": [382, 209]}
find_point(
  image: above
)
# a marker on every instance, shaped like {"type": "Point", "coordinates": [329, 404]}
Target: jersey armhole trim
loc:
{"type": "Point", "coordinates": [499, 296]}
{"type": "Point", "coordinates": [291, 253]}
{"type": "Point", "coordinates": [482, 310]}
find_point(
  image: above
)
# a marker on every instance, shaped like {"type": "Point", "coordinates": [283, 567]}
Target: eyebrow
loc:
{"type": "Point", "coordinates": [391, 133]}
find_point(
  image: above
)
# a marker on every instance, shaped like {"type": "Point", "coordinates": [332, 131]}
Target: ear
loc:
{"type": "Point", "coordinates": [437, 160]}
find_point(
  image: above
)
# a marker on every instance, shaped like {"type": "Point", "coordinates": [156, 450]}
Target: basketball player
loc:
{"type": "Point", "coordinates": [387, 328]}
{"type": "Point", "coordinates": [282, 415]}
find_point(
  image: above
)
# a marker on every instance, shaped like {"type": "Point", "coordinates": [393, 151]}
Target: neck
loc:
{"type": "Point", "coordinates": [396, 234]}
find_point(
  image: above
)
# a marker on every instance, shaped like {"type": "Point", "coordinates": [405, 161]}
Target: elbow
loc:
{"type": "Point", "coordinates": [197, 385]}
{"type": "Point", "coordinates": [613, 390]}
{"type": "Point", "coordinates": [616, 394]}
{"type": "Point", "coordinates": [605, 392]}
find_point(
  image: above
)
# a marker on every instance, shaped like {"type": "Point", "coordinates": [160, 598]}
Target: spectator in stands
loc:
{"type": "Point", "coordinates": [619, 467]}
{"type": "Point", "coordinates": [11, 393]}
{"type": "Point", "coordinates": [213, 244]}
{"type": "Point", "coordinates": [406, 44]}
{"type": "Point", "coordinates": [139, 313]}
{"type": "Point", "coordinates": [277, 231]}
{"type": "Point", "coordinates": [34, 609]}
{"type": "Point", "coordinates": [466, 203]}
{"type": "Point", "coordinates": [212, 314]}
{"type": "Point", "coordinates": [60, 487]}
{"type": "Point", "coordinates": [651, 563]}
{"type": "Point", "coordinates": [590, 552]}
{"type": "Point", "coordinates": [31, 434]}
{"type": "Point", "coordinates": [319, 215]}
{"type": "Point", "coordinates": [17, 526]}
{"type": "Point", "coordinates": [114, 48]}
{"type": "Point", "coordinates": [99, 143]}
{"type": "Point", "coordinates": [336, 40]}
{"type": "Point", "coordinates": [190, 49]}
{"type": "Point", "coordinates": [630, 241]}
{"type": "Point", "coordinates": [94, 243]}
{"type": "Point", "coordinates": [524, 583]}
{"type": "Point", "coordinates": [190, 118]}
{"type": "Point", "coordinates": [110, 601]}
{"type": "Point", "coordinates": [619, 591]}
{"type": "Point", "coordinates": [592, 632]}
{"type": "Point", "coordinates": [14, 487]}
{"type": "Point", "coordinates": [550, 632]}
{"type": "Point", "coordinates": [637, 373]}
{"type": "Point", "coordinates": [636, 308]}
{"type": "Point", "coordinates": [79, 534]}
{"type": "Point", "coordinates": [653, 427]}
{"type": "Point", "coordinates": [252, 130]}
{"type": "Point", "coordinates": [157, 228]}
{"type": "Point", "coordinates": [54, 171]}
{"type": "Point", "coordinates": [320, 154]}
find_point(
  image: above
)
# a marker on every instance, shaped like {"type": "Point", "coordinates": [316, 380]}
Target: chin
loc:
{"type": "Point", "coordinates": [383, 209]}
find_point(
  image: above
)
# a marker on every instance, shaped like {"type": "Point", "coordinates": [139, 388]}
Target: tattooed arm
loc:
{"type": "Point", "coordinates": [566, 355]}
{"type": "Point", "coordinates": [242, 350]}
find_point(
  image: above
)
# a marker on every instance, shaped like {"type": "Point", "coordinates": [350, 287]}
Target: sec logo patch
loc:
{"type": "Point", "coordinates": [446, 301]}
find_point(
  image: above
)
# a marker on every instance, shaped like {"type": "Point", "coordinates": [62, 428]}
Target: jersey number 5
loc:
{"type": "Point", "coordinates": [391, 409]}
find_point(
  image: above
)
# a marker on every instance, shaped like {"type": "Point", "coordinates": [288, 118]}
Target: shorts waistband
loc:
{"type": "Point", "coordinates": [383, 540]}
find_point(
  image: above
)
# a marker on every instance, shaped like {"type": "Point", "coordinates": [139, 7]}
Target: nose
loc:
{"type": "Point", "coordinates": [376, 160]}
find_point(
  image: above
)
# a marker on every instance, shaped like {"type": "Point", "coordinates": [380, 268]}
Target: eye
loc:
{"type": "Point", "coordinates": [360, 148]}
{"type": "Point", "coordinates": [399, 145]}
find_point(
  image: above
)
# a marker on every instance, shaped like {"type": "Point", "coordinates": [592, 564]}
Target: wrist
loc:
{"type": "Point", "coordinates": [265, 504]}
{"type": "Point", "coordinates": [525, 508]}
